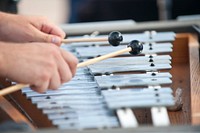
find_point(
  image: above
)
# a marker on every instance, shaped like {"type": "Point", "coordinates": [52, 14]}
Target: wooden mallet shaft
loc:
{"type": "Point", "coordinates": [17, 87]}
{"type": "Point", "coordinates": [72, 40]}
{"type": "Point", "coordinates": [114, 38]}
{"type": "Point", "coordinates": [134, 47]}
{"type": "Point", "coordinates": [103, 57]}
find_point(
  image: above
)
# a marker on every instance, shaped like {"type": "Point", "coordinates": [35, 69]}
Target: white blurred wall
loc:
{"type": "Point", "coordinates": [56, 10]}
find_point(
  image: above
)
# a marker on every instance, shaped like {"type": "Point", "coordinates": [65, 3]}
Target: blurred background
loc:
{"type": "Point", "coordinates": [75, 11]}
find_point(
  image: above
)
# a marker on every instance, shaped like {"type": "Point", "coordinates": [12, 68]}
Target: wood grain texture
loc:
{"type": "Point", "coordinates": [186, 75]}
{"type": "Point", "coordinates": [36, 115]}
{"type": "Point", "coordinates": [195, 79]}
{"type": "Point", "coordinates": [181, 79]}
{"type": "Point", "coordinates": [13, 113]}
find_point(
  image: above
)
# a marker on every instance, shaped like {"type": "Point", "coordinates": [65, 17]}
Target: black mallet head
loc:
{"type": "Point", "coordinates": [114, 38]}
{"type": "Point", "coordinates": [136, 47]}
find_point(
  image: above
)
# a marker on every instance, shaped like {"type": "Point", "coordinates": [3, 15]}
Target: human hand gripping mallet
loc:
{"type": "Point", "coordinates": [134, 48]}
{"type": "Point", "coordinates": [114, 38]}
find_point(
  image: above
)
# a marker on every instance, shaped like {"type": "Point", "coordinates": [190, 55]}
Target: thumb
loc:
{"type": "Point", "coordinates": [49, 38]}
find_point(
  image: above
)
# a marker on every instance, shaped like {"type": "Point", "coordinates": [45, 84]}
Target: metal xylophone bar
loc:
{"type": "Point", "coordinates": [134, 48]}
{"type": "Point", "coordinates": [150, 48]}
{"type": "Point", "coordinates": [134, 98]}
{"type": "Point", "coordinates": [142, 79]}
{"type": "Point", "coordinates": [147, 49]}
{"type": "Point", "coordinates": [126, 117]}
{"type": "Point", "coordinates": [147, 67]}
{"type": "Point", "coordinates": [143, 37]}
{"type": "Point", "coordinates": [145, 79]}
{"type": "Point", "coordinates": [82, 103]}
{"type": "Point", "coordinates": [136, 60]}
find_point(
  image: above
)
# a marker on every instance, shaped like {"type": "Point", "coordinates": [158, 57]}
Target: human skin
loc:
{"type": "Point", "coordinates": [42, 65]}
{"type": "Point", "coordinates": [29, 52]}
{"type": "Point", "coordinates": [21, 28]}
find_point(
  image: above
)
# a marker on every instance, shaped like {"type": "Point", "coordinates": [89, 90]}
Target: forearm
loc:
{"type": "Point", "coordinates": [2, 15]}
{"type": "Point", "coordinates": [7, 27]}
{"type": "Point", "coordinates": [3, 49]}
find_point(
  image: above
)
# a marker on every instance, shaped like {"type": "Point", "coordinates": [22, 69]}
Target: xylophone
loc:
{"type": "Point", "coordinates": [120, 92]}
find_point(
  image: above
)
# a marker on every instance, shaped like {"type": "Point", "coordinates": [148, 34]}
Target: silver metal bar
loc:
{"type": "Point", "coordinates": [74, 106]}
{"type": "Point", "coordinates": [81, 86]}
{"type": "Point", "coordinates": [90, 123]}
{"type": "Point", "coordinates": [137, 97]}
{"type": "Point", "coordinates": [70, 102]}
{"type": "Point", "coordinates": [65, 97]}
{"type": "Point", "coordinates": [85, 119]}
{"type": "Point", "coordinates": [128, 77]}
{"type": "Point", "coordinates": [137, 81]}
{"type": "Point", "coordinates": [76, 111]}
{"type": "Point", "coordinates": [135, 91]}
{"type": "Point", "coordinates": [61, 92]}
{"type": "Point", "coordinates": [144, 37]}
{"type": "Point", "coordinates": [129, 68]}
{"type": "Point", "coordinates": [147, 49]}
{"type": "Point", "coordinates": [139, 101]}
{"type": "Point", "coordinates": [142, 103]}
{"type": "Point", "coordinates": [76, 114]}
{"type": "Point", "coordinates": [160, 59]}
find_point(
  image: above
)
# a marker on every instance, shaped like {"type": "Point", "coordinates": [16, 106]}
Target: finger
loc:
{"type": "Point", "coordinates": [43, 37]}
{"type": "Point", "coordinates": [40, 86]}
{"type": "Point", "coordinates": [65, 74]}
{"type": "Point", "coordinates": [44, 25]}
{"type": "Point", "coordinates": [52, 29]}
{"type": "Point", "coordinates": [55, 81]}
{"type": "Point", "coordinates": [64, 70]}
{"type": "Point", "coordinates": [71, 60]}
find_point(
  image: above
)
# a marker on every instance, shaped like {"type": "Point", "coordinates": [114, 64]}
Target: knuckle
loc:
{"type": "Point", "coordinates": [75, 61]}
{"type": "Point", "coordinates": [47, 65]}
{"type": "Point", "coordinates": [74, 65]}
{"type": "Point", "coordinates": [47, 38]}
{"type": "Point", "coordinates": [64, 79]}
{"type": "Point", "coordinates": [44, 76]}
{"type": "Point", "coordinates": [54, 50]}
{"type": "Point", "coordinates": [50, 65]}
{"type": "Point", "coordinates": [63, 34]}
{"type": "Point", "coordinates": [69, 76]}
{"type": "Point", "coordinates": [39, 89]}
{"type": "Point", "coordinates": [51, 52]}
{"type": "Point", "coordinates": [54, 86]}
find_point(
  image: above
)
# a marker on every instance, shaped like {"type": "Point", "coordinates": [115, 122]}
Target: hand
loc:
{"type": "Point", "coordinates": [42, 65]}
{"type": "Point", "coordinates": [20, 28]}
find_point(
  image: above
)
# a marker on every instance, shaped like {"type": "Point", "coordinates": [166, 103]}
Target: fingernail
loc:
{"type": "Point", "coordinates": [55, 40]}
